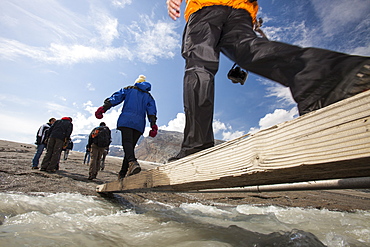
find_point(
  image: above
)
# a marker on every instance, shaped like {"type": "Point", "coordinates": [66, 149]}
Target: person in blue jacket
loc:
{"type": "Point", "coordinates": [138, 103]}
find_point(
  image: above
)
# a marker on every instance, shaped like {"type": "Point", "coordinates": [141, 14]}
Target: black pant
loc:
{"type": "Point", "coordinates": [310, 73]}
{"type": "Point", "coordinates": [129, 139]}
{"type": "Point", "coordinates": [51, 159]}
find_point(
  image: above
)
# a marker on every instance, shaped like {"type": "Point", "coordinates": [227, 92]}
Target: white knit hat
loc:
{"type": "Point", "coordinates": [141, 78]}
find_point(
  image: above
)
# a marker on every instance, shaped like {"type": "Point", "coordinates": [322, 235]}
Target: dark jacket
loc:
{"type": "Point", "coordinates": [94, 140]}
{"type": "Point", "coordinates": [61, 129]}
{"type": "Point", "coordinates": [138, 103]}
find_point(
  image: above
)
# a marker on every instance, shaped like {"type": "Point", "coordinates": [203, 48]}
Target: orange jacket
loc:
{"type": "Point", "coordinates": [195, 5]}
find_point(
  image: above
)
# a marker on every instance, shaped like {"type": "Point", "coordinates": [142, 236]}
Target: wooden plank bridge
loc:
{"type": "Point", "coordinates": [330, 143]}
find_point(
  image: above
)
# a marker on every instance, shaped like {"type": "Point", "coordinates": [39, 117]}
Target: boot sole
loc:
{"type": "Point", "coordinates": [135, 171]}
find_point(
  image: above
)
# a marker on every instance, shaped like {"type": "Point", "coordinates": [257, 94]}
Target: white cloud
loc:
{"type": "Point", "coordinates": [158, 40]}
{"type": "Point", "coordinates": [295, 31]}
{"type": "Point", "coordinates": [81, 39]}
{"type": "Point", "coordinates": [278, 116]}
{"type": "Point", "coordinates": [121, 3]}
{"type": "Point", "coordinates": [50, 20]}
{"type": "Point", "coordinates": [13, 127]}
{"type": "Point", "coordinates": [176, 124]}
{"type": "Point", "coordinates": [218, 126]}
{"type": "Point", "coordinates": [106, 26]}
{"type": "Point", "coordinates": [61, 98]}
{"type": "Point", "coordinates": [57, 109]}
{"type": "Point", "coordinates": [336, 14]}
{"type": "Point", "coordinates": [363, 51]}
{"type": "Point", "coordinates": [12, 99]}
{"type": "Point", "coordinates": [282, 93]}
{"type": "Point", "coordinates": [225, 130]}
{"type": "Point", "coordinates": [84, 122]}
{"type": "Point", "coordinates": [90, 87]}
{"type": "Point", "coordinates": [154, 40]}
{"type": "Point", "coordinates": [61, 54]}
{"type": "Point", "coordinates": [228, 135]}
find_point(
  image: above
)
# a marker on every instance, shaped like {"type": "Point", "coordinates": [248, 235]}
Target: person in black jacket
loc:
{"type": "Point", "coordinates": [41, 142]}
{"type": "Point", "coordinates": [58, 134]}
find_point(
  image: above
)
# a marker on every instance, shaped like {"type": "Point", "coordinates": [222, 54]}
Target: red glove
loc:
{"type": "Point", "coordinates": [153, 132]}
{"type": "Point", "coordinates": [99, 113]}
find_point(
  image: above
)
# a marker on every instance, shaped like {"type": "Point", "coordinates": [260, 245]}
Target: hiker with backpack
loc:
{"type": "Point", "coordinates": [99, 140]}
{"type": "Point", "coordinates": [138, 103]}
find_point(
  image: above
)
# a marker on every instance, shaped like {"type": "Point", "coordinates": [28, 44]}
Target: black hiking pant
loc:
{"type": "Point", "coordinates": [310, 73]}
{"type": "Point", "coordinates": [50, 162]}
{"type": "Point", "coordinates": [130, 138]}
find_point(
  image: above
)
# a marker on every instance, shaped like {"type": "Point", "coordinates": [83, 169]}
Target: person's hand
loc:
{"type": "Point", "coordinates": [153, 132]}
{"type": "Point", "coordinates": [99, 113]}
{"type": "Point", "coordinates": [173, 8]}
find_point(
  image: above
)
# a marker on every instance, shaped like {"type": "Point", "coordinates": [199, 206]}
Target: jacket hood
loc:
{"type": "Point", "coordinates": [145, 86]}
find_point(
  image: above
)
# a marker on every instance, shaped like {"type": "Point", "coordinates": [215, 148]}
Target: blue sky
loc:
{"type": "Point", "coordinates": [64, 57]}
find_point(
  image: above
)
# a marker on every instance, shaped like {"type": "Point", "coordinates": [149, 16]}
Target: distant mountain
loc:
{"type": "Point", "coordinates": [165, 145]}
{"type": "Point", "coordinates": [158, 149]}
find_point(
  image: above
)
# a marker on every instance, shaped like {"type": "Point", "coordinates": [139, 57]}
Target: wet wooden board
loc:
{"type": "Point", "coordinates": [331, 143]}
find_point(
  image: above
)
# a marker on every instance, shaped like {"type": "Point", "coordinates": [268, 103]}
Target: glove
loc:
{"type": "Point", "coordinates": [99, 112]}
{"type": "Point", "coordinates": [153, 132]}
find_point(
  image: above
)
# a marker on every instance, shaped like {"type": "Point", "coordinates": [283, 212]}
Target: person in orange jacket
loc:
{"type": "Point", "coordinates": [316, 77]}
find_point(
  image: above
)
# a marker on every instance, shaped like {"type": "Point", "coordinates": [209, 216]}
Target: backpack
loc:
{"type": "Point", "coordinates": [101, 136]}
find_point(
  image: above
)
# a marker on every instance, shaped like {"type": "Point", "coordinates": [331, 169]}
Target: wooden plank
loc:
{"type": "Point", "coordinates": [331, 143]}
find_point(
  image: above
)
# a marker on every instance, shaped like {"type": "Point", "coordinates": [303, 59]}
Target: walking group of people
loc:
{"type": "Point", "coordinates": [137, 104]}
{"type": "Point", "coordinates": [316, 78]}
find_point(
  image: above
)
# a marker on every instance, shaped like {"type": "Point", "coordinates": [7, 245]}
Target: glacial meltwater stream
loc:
{"type": "Point", "coordinates": [77, 220]}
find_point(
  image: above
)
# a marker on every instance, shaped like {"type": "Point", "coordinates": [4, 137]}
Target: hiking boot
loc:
{"type": "Point", "coordinates": [180, 155]}
{"type": "Point", "coordinates": [173, 159]}
{"type": "Point", "coordinates": [133, 168]}
{"type": "Point", "coordinates": [357, 81]}
{"type": "Point", "coordinates": [102, 168]}
{"type": "Point", "coordinates": [35, 167]}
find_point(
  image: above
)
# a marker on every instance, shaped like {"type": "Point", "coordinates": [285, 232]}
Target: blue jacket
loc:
{"type": "Point", "coordinates": [137, 104]}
